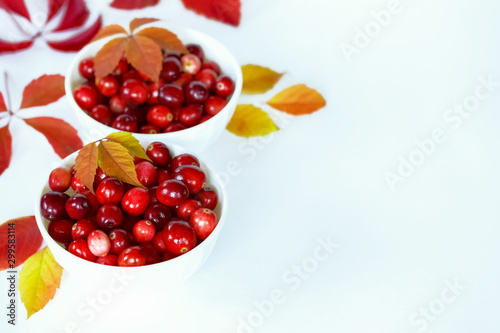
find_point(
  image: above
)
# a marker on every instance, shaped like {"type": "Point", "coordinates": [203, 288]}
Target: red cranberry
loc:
{"type": "Point", "coordinates": [94, 203]}
{"type": "Point", "coordinates": [109, 216]}
{"type": "Point", "coordinates": [125, 122]}
{"type": "Point", "coordinates": [60, 231]}
{"type": "Point", "coordinates": [160, 116]}
{"type": "Point", "coordinates": [109, 260]}
{"type": "Point", "coordinates": [110, 190]}
{"type": "Point", "coordinates": [159, 153]}
{"type": "Point", "coordinates": [196, 50]}
{"type": "Point", "coordinates": [187, 208]}
{"type": "Point", "coordinates": [76, 184]}
{"type": "Point", "coordinates": [184, 159]}
{"type": "Point", "coordinates": [152, 255]}
{"type": "Point", "coordinates": [153, 88]}
{"type": "Point", "coordinates": [170, 95]}
{"type": "Point", "coordinates": [158, 242]}
{"type": "Point", "coordinates": [213, 66]}
{"type": "Point", "coordinates": [120, 240]}
{"type": "Point", "coordinates": [80, 249]}
{"type": "Point", "coordinates": [192, 176]}
{"type": "Point", "coordinates": [117, 104]}
{"type": "Point", "coordinates": [214, 105]}
{"type": "Point", "coordinates": [52, 205]}
{"type": "Point", "coordinates": [190, 63]}
{"type": "Point", "coordinates": [99, 243]}
{"type": "Point", "coordinates": [108, 86]}
{"type": "Point", "coordinates": [224, 86]}
{"type": "Point", "coordinates": [183, 80]}
{"type": "Point", "coordinates": [207, 197]}
{"type": "Point", "coordinates": [191, 115]}
{"type": "Point", "coordinates": [132, 256]}
{"type": "Point", "coordinates": [134, 91]}
{"type": "Point", "coordinates": [78, 206]}
{"type": "Point", "coordinates": [59, 180]}
{"type": "Point", "coordinates": [102, 114]}
{"type": "Point", "coordinates": [86, 97]}
{"type": "Point", "coordinates": [171, 69]}
{"type": "Point", "coordinates": [122, 67]}
{"type": "Point", "coordinates": [135, 201]}
{"type": "Point", "coordinates": [146, 173]}
{"type": "Point", "coordinates": [174, 127]}
{"type": "Point", "coordinates": [172, 192]}
{"type": "Point", "coordinates": [158, 214]}
{"type": "Point", "coordinates": [86, 68]}
{"type": "Point", "coordinates": [179, 237]}
{"type": "Point", "coordinates": [203, 221]}
{"type": "Point", "coordinates": [82, 229]}
{"type": "Point", "coordinates": [207, 77]}
{"type": "Point", "coordinates": [144, 231]}
{"type": "Point", "coordinates": [149, 129]}
{"type": "Point", "coordinates": [163, 175]}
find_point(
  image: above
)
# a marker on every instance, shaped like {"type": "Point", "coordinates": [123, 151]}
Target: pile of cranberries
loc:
{"type": "Point", "coordinates": [190, 91]}
{"type": "Point", "coordinates": [124, 225]}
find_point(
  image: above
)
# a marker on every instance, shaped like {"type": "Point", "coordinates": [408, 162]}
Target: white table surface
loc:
{"type": "Point", "coordinates": [320, 179]}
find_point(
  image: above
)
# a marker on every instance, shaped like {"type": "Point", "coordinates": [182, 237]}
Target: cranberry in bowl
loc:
{"type": "Point", "coordinates": [190, 105]}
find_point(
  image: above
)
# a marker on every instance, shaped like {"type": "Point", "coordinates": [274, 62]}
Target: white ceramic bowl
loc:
{"type": "Point", "coordinates": [174, 270]}
{"type": "Point", "coordinates": [196, 138]}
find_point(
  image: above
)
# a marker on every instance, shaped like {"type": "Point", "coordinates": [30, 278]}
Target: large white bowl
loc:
{"type": "Point", "coordinates": [171, 271]}
{"type": "Point", "coordinates": [196, 138]}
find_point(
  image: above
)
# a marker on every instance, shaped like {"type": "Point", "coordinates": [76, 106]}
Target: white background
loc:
{"type": "Point", "coordinates": [321, 176]}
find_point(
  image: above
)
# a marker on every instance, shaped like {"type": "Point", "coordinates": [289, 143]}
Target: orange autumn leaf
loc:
{"type": "Point", "coordinates": [248, 121]}
{"type": "Point", "coordinates": [108, 56]}
{"type": "Point", "coordinates": [115, 161]}
{"type": "Point", "coordinates": [27, 241]}
{"type": "Point", "coordinates": [86, 165]}
{"type": "Point", "coordinates": [137, 22]}
{"type": "Point", "coordinates": [167, 40]}
{"type": "Point", "coordinates": [130, 143]}
{"type": "Point", "coordinates": [5, 148]}
{"type": "Point", "coordinates": [3, 107]}
{"type": "Point", "coordinates": [298, 100]}
{"type": "Point", "coordinates": [39, 279]}
{"type": "Point", "coordinates": [145, 56]}
{"type": "Point", "coordinates": [42, 91]}
{"type": "Point", "coordinates": [109, 30]}
{"type": "Point", "coordinates": [258, 79]}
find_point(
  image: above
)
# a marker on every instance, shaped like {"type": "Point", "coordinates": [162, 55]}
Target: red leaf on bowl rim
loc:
{"type": "Point", "coordinates": [61, 135]}
{"type": "Point", "coordinates": [5, 148]}
{"type": "Point", "coordinates": [42, 91]}
{"type": "Point", "coordinates": [225, 11]}
{"type": "Point", "coordinates": [27, 240]}
{"type": "Point", "coordinates": [133, 4]}
{"type": "Point", "coordinates": [16, 6]}
{"type": "Point", "coordinates": [78, 41]}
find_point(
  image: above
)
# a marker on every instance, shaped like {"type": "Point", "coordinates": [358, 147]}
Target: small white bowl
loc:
{"type": "Point", "coordinates": [196, 138]}
{"type": "Point", "coordinates": [170, 271]}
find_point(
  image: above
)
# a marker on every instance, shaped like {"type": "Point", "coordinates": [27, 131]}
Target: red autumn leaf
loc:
{"type": "Point", "coordinates": [42, 91]}
{"type": "Point", "coordinates": [145, 56]}
{"type": "Point", "coordinates": [109, 30]}
{"type": "Point", "coordinates": [61, 135]}
{"type": "Point", "coordinates": [16, 6]}
{"type": "Point", "coordinates": [75, 15]}
{"type": "Point", "coordinates": [27, 240]}
{"type": "Point", "coordinates": [3, 107]}
{"type": "Point", "coordinates": [133, 4]}
{"type": "Point", "coordinates": [13, 47]}
{"type": "Point", "coordinates": [137, 22]}
{"type": "Point", "coordinates": [226, 11]}
{"type": "Point", "coordinates": [5, 148]}
{"type": "Point", "coordinates": [108, 56]}
{"type": "Point", "coordinates": [78, 41]}
{"type": "Point", "coordinates": [54, 6]}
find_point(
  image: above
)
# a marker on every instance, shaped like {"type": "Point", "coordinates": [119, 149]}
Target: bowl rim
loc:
{"type": "Point", "coordinates": [214, 179]}
{"type": "Point", "coordinates": [174, 28]}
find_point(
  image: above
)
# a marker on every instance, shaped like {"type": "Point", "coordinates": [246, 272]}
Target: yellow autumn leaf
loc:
{"type": "Point", "coordinates": [127, 140]}
{"type": "Point", "coordinates": [298, 100]}
{"type": "Point", "coordinates": [115, 161]}
{"type": "Point", "coordinates": [249, 121]}
{"type": "Point", "coordinates": [38, 280]}
{"type": "Point", "coordinates": [258, 79]}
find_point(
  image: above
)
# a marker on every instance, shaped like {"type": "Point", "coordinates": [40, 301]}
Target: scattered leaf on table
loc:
{"type": "Point", "coordinates": [15, 6]}
{"type": "Point", "coordinates": [61, 135]}
{"type": "Point", "coordinates": [133, 4]}
{"type": "Point", "coordinates": [137, 22]}
{"type": "Point", "coordinates": [42, 91]}
{"type": "Point", "coordinates": [128, 141]}
{"type": "Point", "coordinates": [298, 100]}
{"type": "Point", "coordinates": [166, 39]}
{"type": "Point", "coordinates": [26, 242]}
{"type": "Point", "coordinates": [248, 121]}
{"type": "Point", "coordinates": [5, 148]}
{"type": "Point", "coordinates": [109, 30]}
{"type": "Point", "coordinates": [54, 6]}
{"type": "Point", "coordinates": [108, 56]}
{"type": "Point", "coordinates": [38, 280]}
{"type": "Point", "coordinates": [115, 160]}
{"type": "Point", "coordinates": [3, 107]}
{"type": "Point", "coordinates": [86, 165]}
{"type": "Point", "coordinates": [258, 79]}
{"type": "Point", "coordinates": [145, 56]}
{"type": "Point", "coordinates": [14, 46]}
{"type": "Point", "coordinates": [76, 42]}
{"type": "Point", "coordinates": [226, 11]}
{"type": "Point", "coordinates": [75, 15]}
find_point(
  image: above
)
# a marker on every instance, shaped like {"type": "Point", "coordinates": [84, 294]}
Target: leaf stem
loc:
{"type": "Point", "coordinates": [19, 27]}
